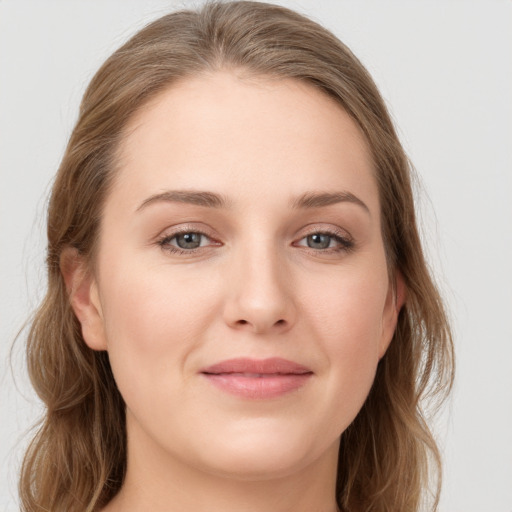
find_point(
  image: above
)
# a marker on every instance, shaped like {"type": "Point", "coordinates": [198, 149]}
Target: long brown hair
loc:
{"type": "Point", "coordinates": [77, 460]}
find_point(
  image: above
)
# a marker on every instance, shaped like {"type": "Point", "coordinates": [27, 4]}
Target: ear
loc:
{"type": "Point", "coordinates": [84, 297]}
{"type": "Point", "coordinates": [394, 302]}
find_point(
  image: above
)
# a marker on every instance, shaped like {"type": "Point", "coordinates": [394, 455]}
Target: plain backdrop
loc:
{"type": "Point", "coordinates": [445, 69]}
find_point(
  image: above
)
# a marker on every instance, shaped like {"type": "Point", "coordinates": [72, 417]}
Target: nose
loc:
{"type": "Point", "coordinates": [260, 293]}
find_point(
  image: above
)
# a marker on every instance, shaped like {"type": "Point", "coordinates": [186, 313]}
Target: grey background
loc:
{"type": "Point", "coordinates": [445, 68]}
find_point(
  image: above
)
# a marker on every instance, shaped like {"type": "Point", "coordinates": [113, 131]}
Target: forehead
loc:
{"type": "Point", "coordinates": [247, 137]}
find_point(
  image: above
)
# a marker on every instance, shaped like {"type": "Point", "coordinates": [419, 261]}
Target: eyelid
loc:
{"type": "Point", "coordinates": [327, 230]}
{"type": "Point", "coordinates": [345, 240]}
{"type": "Point", "coordinates": [170, 233]}
{"type": "Point", "coordinates": [181, 228]}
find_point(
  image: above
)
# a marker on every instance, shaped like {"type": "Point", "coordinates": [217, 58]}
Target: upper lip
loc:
{"type": "Point", "coordinates": [273, 365]}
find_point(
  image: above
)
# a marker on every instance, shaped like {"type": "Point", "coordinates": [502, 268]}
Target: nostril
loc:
{"type": "Point", "coordinates": [280, 322]}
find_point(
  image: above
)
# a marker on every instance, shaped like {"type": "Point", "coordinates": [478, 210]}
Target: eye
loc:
{"type": "Point", "coordinates": [185, 241]}
{"type": "Point", "coordinates": [189, 240]}
{"type": "Point", "coordinates": [319, 241]}
{"type": "Point", "coordinates": [326, 241]}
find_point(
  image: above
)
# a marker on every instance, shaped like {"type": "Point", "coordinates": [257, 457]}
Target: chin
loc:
{"type": "Point", "coordinates": [261, 454]}
{"type": "Point", "coordinates": [255, 467]}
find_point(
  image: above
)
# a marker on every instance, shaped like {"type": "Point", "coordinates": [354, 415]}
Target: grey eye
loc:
{"type": "Point", "coordinates": [188, 240]}
{"type": "Point", "coordinates": [318, 241]}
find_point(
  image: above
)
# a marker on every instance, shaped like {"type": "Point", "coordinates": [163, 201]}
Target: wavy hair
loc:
{"type": "Point", "coordinates": [77, 460]}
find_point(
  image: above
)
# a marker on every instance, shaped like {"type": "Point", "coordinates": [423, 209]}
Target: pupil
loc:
{"type": "Point", "coordinates": [189, 240]}
{"type": "Point", "coordinates": [319, 241]}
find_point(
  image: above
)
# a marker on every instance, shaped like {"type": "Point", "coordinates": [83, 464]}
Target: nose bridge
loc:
{"type": "Point", "coordinates": [259, 298]}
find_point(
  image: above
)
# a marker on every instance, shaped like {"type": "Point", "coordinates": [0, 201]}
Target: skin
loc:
{"type": "Point", "coordinates": [253, 288]}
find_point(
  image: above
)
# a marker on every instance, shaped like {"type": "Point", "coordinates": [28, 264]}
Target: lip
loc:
{"type": "Point", "coordinates": [257, 378]}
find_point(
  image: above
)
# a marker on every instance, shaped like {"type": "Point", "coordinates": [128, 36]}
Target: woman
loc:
{"type": "Point", "coordinates": [239, 315]}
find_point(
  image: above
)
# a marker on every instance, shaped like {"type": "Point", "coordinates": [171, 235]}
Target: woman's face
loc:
{"type": "Point", "coordinates": [240, 286]}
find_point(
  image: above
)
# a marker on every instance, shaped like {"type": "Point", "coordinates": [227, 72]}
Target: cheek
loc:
{"type": "Point", "coordinates": [151, 307]}
{"type": "Point", "coordinates": [348, 325]}
{"type": "Point", "coordinates": [153, 321]}
{"type": "Point", "coordinates": [350, 308]}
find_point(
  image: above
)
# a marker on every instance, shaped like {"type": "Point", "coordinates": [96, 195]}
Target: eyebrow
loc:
{"type": "Point", "coordinates": [207, 199]}
{"type": "Point", "coordinates": [320, 199]}
{"type": "Point", "coordinates": [213, 200]}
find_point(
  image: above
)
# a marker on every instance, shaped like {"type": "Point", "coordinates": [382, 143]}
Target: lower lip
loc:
{"type": "Point", "coordinates": [269, 386]}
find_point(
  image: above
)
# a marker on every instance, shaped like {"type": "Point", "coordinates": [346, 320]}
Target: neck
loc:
{"type": "Point", "coordinates": [162, 483]}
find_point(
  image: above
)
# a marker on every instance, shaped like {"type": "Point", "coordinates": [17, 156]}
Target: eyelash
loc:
{"type": "Point", "coordinates": [345, 243]}
{"type": "Point", "coordinates": [164, 242]}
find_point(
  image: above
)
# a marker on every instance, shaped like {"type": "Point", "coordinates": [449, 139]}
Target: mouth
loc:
{"type": "Point", "coordinates": [257, 378]}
